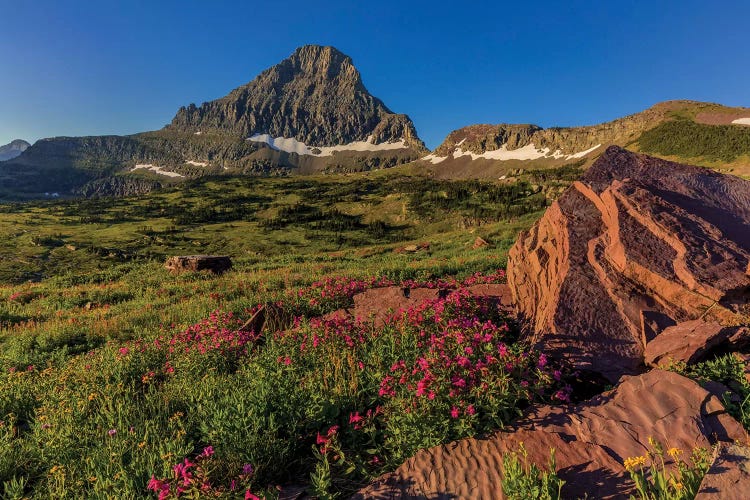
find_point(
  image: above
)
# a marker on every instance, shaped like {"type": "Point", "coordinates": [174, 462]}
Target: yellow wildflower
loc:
{"type": "Point", "coordinates": [631, 463]}
{"type": "Point", "coordinates": [678, 486]}
{"type": "Point", "coordinates": [674, 452]}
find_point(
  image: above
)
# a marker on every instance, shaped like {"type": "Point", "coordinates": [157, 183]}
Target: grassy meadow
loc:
{"type": "Point", "coordinates": [120, 379]}
{"type": "Point", "coordinates": [117, 378]}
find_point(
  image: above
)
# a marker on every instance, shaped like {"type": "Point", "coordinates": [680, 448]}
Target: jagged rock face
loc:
{"type": "Point", "coordinates": [13, 150]}
{"type": "Point", "coordinates": [481, 138]}
{"type": "Point", "coordinates": [636, 243]}
{"type": "Point", "coordinates": [591, 441]}
{"type": "Point", "coordinates": [315, 96]}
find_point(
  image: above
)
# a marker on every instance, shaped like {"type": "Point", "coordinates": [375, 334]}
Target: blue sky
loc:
{"type": "Point", "coordinates": [106, 67]}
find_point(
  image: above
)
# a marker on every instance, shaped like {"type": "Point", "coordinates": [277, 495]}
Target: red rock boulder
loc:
{"type": "Point", "coordinates": [637, 243]}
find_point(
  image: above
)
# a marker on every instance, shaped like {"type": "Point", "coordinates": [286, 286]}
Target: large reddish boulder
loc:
{"type": "Point", "coordinates": [591, 441]}
{"type": "Point", "coordinates": [637, 244]}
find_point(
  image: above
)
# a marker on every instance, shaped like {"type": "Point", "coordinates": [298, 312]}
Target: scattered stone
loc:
{"type": "Point", "coordinates": [425, 246]}
{"type": "Point", "coordinates": [214, 263]}
{"type": "Point", "coordinates": [70, 247]}
{"type": "Point", "coordinates": [479, 243]}
{"type": "Point", "coordinates": [636, 234]}
{"type": "Point", "coordinates": [591, 440]}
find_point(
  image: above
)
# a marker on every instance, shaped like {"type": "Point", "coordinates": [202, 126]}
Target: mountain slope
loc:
{"type": "Point", "coordinates": [13, 150]}
{"type": "Point", "coordinates": [700, 133]}
{"type": "Point", "coordinates": [309, 113]}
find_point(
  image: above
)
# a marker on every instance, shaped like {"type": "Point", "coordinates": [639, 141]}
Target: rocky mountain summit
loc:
{"type": "Point", "coordinates": [13, 149]}
{"type": "Point", "coordinates": [315, 96]}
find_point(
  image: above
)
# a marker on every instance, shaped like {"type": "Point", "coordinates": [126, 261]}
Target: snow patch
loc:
{"type": "Point", "coordinates": [197, 163]}
{"type": "Point", "coordinates": [741, 121]}
{"type": "Point", "coordinates": [583, 153]}
{"type": "Point", "coordinates": [434, 159]}
{"type": "Point", "coordinates": [528, 152]}
{"type": "Point", "coordinates": [292, 145]}
{"type": "Point", "coordinates": [155, 169]}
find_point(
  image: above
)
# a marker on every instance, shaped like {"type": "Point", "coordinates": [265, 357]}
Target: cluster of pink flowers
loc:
{"type": "Point", "coordinates": [324, 440]}
{"type": "Point", "coordinates": [191, 479]}
{"type": "Point", "coordinates": [220, 333]}
{"type": "Point", "coordinates": [464, 358]}
{"type": "Point", "coordinates": [340, 331]}
{"type": "Point", "coordinates": [338, 290]}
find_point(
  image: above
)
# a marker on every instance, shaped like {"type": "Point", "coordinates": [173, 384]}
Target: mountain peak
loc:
{"type": "Point", "coordinates": [13, 149]}
{"type": "Point", "coordinates": [322, 59]}
{"type": "Point", "coordinates": [315, 96]}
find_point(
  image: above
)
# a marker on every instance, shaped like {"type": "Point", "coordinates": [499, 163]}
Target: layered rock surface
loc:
{"type": "Point", "coordinates": [637, 244]}
{"type": "Point", "coordinates": [591, 440]}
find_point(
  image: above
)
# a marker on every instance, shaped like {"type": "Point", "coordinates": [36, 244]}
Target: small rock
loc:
{"type": "Point", "coordinates": [479, 243]}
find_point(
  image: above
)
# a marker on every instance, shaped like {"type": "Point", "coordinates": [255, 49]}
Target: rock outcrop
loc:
{"type": "Point", "coordinates": [729, 475]}
{"type": "Point", "coordinates": [636, 244]}
{"type": "Point", "coordinates": [689, 342]}
{"type": "Point", "coordinates": [13, 149]}
{"type": "Point", "coordinates": [591, 441]}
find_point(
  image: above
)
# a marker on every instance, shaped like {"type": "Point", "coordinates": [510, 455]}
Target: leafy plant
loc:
{"type": "Point", "coordinates": [656, 479]}
{"type": "Point", "coordinates": [523, 480]}
{"type": "Point", "coordinates": [729, 370]}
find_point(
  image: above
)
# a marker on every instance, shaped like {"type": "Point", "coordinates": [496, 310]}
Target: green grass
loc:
{"type": "Point", "coordinates": [688, 139]}
{"type": "Point", "coordinates": [250, 218]}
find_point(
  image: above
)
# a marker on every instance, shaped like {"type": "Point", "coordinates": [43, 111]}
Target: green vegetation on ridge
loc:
{"type": "Point", "coordinates": [688, 139]}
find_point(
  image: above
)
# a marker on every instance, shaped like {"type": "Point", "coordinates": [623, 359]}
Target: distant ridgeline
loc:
{"type": "Point", "coordinates": [311, 113]}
